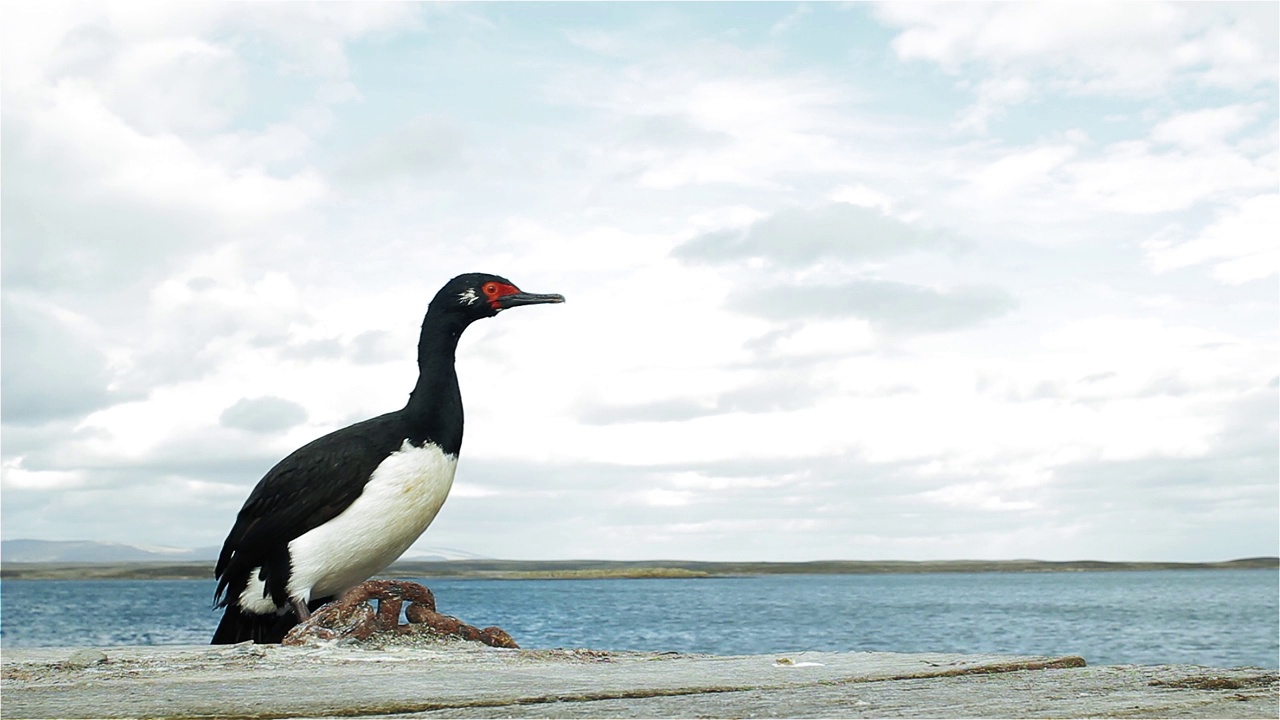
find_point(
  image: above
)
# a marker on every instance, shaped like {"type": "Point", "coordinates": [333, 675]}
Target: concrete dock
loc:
{"type": "Point", "coordinates": [466, 680]}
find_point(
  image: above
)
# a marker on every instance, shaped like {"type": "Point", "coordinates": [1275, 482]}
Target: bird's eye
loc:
{"type": "Point", "coordinates": [491, 289]}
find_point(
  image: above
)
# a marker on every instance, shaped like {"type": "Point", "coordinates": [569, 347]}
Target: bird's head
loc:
{"type": "Point", "coordinates": [479, 295]}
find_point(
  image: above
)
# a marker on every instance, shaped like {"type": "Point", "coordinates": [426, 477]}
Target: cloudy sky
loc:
{"type": "Point", "coordinates": [844, 281]}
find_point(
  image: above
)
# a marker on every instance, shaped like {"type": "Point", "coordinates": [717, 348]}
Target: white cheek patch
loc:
{"type": "Point", "coordinates": [468, 296]}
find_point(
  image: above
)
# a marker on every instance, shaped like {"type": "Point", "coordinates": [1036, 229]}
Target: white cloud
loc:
{"type": "Point", "coordinates": [798, 237]}
{"type": "Point", "coordinates": [424, 145]}
{"type": "Point", "coordinates": [1133, 177]}
{"type": "Point", "coordinates": [993, 96]}
{"type": "Point", "coordinates": [1106, 48]}
{"type": "Point", "coordinates": [159, 169]}
{"type": "Point", "coordinates": [1025, 52]}
{"type": "Point", "coordinates": [1149, 347]}
{"type": "Point", "coordinates": [754, 128]}
{"type": "Point", "coordinates": [662, 497]}
{"type": "Point", "coordinates": [1207, 155]}
{"type": "Point", "coordinates": [826, 338]}
{"type": "Point", "coordinates": [18, 478]}
{"type": "Point", "coordinates": [979, 495]}
{"type": "Point", "coordinates": [1240, 244]}
{"type": "Point", "coordinates": [55, 367]}
{"type": "Point", "coordinates": [598, 41]}
{"type": "Point", "coordinates": [1207, 127]}
{"type": "Point", "coordinates": [315, 38]}
{"type": "Point", "coordinates": [1022, 170]}
{"type": "Point", "coordinates": [170, 84]}
{"type": "Point", "coordinates": [796, 15]}
{"type": "Point", "coordinates": [863, 196]}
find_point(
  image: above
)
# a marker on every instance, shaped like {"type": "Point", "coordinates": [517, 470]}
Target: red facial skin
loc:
{"type": "Point", "coordinates": [495, 291]}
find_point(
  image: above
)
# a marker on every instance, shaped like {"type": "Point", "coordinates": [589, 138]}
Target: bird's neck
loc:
{"type": "Point", "coordinates": [434, 411]}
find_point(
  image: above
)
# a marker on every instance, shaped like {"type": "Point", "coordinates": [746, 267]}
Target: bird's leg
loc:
{"type": "Point", "coordinates": [300, 608]}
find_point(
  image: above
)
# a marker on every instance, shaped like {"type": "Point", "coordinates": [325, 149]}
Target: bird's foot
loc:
{"type": "Point", "coordinates": [351, 617]}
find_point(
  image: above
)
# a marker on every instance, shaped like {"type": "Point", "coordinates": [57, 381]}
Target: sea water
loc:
{"type": "Point", "coordinates": [1222, 618]}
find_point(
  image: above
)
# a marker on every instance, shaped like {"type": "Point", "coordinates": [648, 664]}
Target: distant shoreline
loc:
{"type": "Point", "coordinates": [593, 569]}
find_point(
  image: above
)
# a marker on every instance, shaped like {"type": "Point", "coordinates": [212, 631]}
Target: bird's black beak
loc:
{"type": "Point", "coordinates": [524, 298]}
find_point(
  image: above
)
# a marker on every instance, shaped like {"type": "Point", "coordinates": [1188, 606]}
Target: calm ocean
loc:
{"type": "Point", "coordinates": [1222, 618]}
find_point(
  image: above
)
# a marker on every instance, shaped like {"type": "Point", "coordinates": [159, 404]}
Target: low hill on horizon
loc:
{"type": "Point", "coordinates": [27, 550]}
{"type": "Point", "coordinates": [578, 569]}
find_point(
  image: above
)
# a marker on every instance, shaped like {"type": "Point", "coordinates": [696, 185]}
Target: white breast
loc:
{"type": "Point", "coordinates": [398, 503]}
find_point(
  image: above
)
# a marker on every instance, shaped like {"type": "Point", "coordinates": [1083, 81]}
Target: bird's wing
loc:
{"type": "Point", "coordinates": [310, 487]}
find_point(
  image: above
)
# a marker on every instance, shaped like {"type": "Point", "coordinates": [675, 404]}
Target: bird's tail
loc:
{"type": "Point", "coordinates": [239, 626]}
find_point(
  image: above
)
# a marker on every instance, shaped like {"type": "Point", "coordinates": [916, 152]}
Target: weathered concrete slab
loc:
{"type": "Point", "coordinates": [466, 680]}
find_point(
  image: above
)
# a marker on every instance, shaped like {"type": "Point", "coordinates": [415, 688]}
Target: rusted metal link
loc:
{"type": "Point", "coordinates": [351, 617]}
